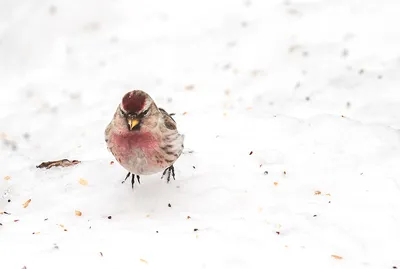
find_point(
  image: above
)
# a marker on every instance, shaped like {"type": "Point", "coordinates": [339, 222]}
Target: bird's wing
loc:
{"type": "Point", "coordinates": [168, 120]}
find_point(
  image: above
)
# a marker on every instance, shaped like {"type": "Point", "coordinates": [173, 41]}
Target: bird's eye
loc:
{"type": "Point", "coordinates": [144, 113]}
{"type": "Point", "coordinates": [122, 112]}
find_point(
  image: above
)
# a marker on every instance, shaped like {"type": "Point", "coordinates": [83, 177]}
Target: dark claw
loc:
{"type": "Point", "coordinates": [168, 171]}
{"type": "Point", "coordinates": [165, 171]}
{"type": "Point", "coordinates": [126, 177]}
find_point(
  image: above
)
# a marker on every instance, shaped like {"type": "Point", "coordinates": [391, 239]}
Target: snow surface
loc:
{"type": "Point", "coordinates": [312, 88]}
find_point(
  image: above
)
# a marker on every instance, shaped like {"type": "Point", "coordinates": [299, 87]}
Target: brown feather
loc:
{"type": "Point", "coordinates": [168, 120]}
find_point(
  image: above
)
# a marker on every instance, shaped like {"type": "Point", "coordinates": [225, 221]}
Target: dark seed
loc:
{"type": "Point", "coordinates": [194, 167]}
{"type": "Point", "coordinates": [156, 231]}
{"type": "Point", "coordinates": [314, 216]}
{"type": "Point", "coordinates": [278, 233]}
{"type": "Point", "coordinates": [265, 172]}
{"type": "Point", "coordinates": [195, 229]}
{"type": "Point", "coordinates": [169, 205]}
{"type": "Point", "coordinates": [250, 153]}
{"type": "Point", "coordinates": [9, 201]}
{"type": "Point", "coordinates": [109, 217]}
{"type": "Point", "coordinates": [46, 219]}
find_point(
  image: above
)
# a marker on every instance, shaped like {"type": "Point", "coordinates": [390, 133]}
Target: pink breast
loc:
{"type": "Point", "coordinates": [135, 140]}
{"type": "Point", "coordinates": [127, 145]}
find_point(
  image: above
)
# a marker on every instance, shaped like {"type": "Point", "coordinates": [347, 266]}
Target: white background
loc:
{"type": "Point", "coordinates": [312, 88]}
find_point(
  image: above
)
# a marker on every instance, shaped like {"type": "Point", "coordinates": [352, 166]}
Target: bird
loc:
{"type": "Point", "coordinates": [143, 138]}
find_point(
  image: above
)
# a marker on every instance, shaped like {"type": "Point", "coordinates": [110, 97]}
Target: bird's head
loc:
{"type": "Point", "coordinates": [135, 107]}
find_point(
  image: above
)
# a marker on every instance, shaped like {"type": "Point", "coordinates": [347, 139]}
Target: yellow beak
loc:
{"type": "Point", "coordinates": [132, 123]}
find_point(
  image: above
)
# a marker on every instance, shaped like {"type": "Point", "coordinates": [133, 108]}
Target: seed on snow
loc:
{"type": "Point", "coordinates": [83, 182]}
{"type": "Point", "coordinates": [25, 205]}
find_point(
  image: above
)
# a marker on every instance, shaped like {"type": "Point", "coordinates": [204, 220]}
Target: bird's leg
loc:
{"type": "Point", "coordinates": [173, 171]}
{"type": "Point", "coordinates": [129, 173]}
{"type": "Point", "coordinates": [163, 174]}
{"type": "Point", "coordinates": [168, 171]}
{"type": "Point", "coordinates": [133, 180]}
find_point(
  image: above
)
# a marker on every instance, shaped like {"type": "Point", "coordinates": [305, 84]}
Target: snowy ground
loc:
{"type": "Point", "coordinates": [311, 88]}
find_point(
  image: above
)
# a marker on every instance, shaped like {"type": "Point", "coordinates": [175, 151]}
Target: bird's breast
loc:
{"type": "Point", "coordinates": [130, 141]}
{"type": "Point", "coordinates": [136, 151]}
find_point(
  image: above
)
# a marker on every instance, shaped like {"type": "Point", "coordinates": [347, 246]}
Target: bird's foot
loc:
{"type": "Point", "coordinates": [169, 171]}
{"type": "Point", "coordinates": [133, 179]}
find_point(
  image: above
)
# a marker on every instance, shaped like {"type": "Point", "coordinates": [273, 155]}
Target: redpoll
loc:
{"type": "Point", "coordinates": [143, 138]}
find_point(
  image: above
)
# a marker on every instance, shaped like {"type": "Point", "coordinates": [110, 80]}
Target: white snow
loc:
{"type": "Point", "coordinates": [311, 87]}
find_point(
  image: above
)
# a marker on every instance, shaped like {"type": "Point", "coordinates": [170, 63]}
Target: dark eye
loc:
{"type": "Point", "coordinates": [122, 112]}
{"type": "Point", "coordinates": [144, 113]}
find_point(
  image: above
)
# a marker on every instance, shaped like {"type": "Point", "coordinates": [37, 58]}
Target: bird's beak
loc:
{"type": "Point", "coordinates": [132, 123]}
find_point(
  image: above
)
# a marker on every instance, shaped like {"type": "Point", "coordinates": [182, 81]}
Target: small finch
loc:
{"type": "Point", "coordinates": [143, 138]}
